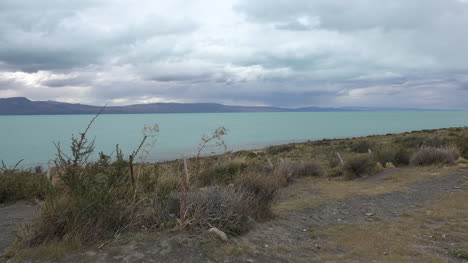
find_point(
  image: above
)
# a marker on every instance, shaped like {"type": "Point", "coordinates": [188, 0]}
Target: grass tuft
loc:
{"type": "Point", "coordinates": [431, 156]}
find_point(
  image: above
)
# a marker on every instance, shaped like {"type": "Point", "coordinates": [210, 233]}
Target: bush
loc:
{"type": "Point", "coordinates": [333, 160]}
{"type": "Point", "coordinates": [221, 207]}
{"type": "Point", "coordinates": [362, 146]}
{"type": "Point", "coordinates": [263, 187]}
{"type": "Point", "coordinates": [16, 185]}
{"type": "Point", "coordinates": [462, 145]}
{"type": "Point", "coordinates": [307, 168]}
{"type": "Point", "coordinates": [430, 156]}
{"type": "Point", "coordinates": [335, 172]}
{"type": "Point", "coordinates": [95, 207]}
{"type": "Point", "coordinates": [273, 150]}
{"type": "Point", "coordinates": [358, 166]}
{"type": "Point", "coordinates": [222, 173]}
{"type": "Point", "coordinates": [396, 156]}
{"type": "Point", "coordinates": [244, 154]}
{"type": "Point", "coordinates": [290, 170]}
{"type": "Point", "coordinates": [418, 142]}
{"type": "Point", "coordinates": [385, 155]}
{"type": "Point", "coordinates": [402, 157]}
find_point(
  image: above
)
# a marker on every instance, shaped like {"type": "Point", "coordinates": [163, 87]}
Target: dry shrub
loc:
{"type": "Point", "coordinates": [221, 207]}
{"type": "Point", "coordinates": [429, 156]}
{"type": "Point", "coordinates": [290, 170]}
{"type": "Point", "coordinates": [263, 187]}
{"type": "Point", "coordinates": [307, 168]}
{"type": "Point", "coordinates": [358, 166]}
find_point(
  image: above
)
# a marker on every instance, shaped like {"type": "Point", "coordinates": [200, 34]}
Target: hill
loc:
{"type": "Point", "coordinates": [24, 106]}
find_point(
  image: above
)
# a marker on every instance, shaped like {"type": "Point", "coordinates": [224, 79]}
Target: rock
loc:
{"type": "Point", "coordinates": [218, 233]}
{"type": "Point", "coordinates": [456, 187]}
{"type": "Point", "coordinates": [369, 214]}
{"type": "Point", "coordinates": [389, 165]}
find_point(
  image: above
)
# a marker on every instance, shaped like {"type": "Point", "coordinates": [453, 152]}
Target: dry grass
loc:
{"type": "Point", "coordinates": [312, 192]}
{"type": "Point", "coordinates": [421, 236]}
{"type": "Point", "coordinates": [431, 156]}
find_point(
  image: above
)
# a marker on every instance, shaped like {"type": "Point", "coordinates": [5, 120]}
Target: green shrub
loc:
{"type": "Point", "coordinates": [333, 160]}
{"type": "Point", "coordinates": [385, 155]}
{"type": "Point", "coordinates": [430, 156]}
{"type": "Point", "coordinates": [222, 173]}
{"type": "Point", "coordinates": [273, 150]}
{"type": "Point", "coordinates": [92, 208]}
{"type": "Point", "coordinates": [358, 166]}
{"type": "Point", "coordinates": [402, 157]}
{"type": "Point", "coordinates": [397, 156]}
{"type": "Point", "coordinates": [16, 185]}
{"type": "Point", "coordinates": [462, 145]}
{"type": "Point", "coordinates": [418, 142]}
{"type": "Point", "coordinates": [410, 141]}
{"type": "Point", "coordinates": [263, 187]}
{"type": "Point", "coordinates": [244, 154]}
{"type": "Point", "coordinates": [361, 146]}
{"type": "Point", "coordinates": [335, 172]}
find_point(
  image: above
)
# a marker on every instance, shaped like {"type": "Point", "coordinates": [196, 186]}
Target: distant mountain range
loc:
{"type": "Point", "coordinates": [24, 106]}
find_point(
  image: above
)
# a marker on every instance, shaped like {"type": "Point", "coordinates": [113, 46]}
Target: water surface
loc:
{"type": "Point", "coordinates": [31, 137]}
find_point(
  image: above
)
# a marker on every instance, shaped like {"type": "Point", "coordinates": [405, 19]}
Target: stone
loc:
{"type": "Point", "coordinates": [218, 233]}
{"type": "Point", "coordinates": [369, 214]}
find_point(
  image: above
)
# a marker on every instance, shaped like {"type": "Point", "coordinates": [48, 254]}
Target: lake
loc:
{"type": "Point", "coordinates": [31, 137]}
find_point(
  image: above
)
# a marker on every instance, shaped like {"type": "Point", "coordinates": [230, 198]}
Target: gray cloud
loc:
{"type": "Point", "coordinates": [282, 53]}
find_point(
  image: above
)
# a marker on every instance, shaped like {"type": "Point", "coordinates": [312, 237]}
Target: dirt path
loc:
{"type": "Point", "coordinates": [292, 228]}
{"type": "Point", "coordinates": [11, 217]}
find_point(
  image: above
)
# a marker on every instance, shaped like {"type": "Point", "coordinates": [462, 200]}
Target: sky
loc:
{"type": "Point", "coordinates": [288, 53]}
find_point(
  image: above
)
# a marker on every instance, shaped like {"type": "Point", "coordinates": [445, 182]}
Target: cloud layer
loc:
{"type": "Point", "coordinates": [283, 53]}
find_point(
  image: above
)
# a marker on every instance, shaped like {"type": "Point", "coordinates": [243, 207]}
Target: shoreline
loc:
{"type": "Point", "coordinates": [26, 165]}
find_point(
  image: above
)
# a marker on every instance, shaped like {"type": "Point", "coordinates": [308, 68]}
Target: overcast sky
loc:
{"type": "Point", "coordinates": [395, 53]}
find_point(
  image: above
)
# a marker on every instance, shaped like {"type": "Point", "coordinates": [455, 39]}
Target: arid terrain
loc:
{"type": "Point", "coordinates": [403, 214]}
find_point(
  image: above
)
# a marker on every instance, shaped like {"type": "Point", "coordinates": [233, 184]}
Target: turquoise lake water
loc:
{"type": "Point", "coordinates": [31, 137]}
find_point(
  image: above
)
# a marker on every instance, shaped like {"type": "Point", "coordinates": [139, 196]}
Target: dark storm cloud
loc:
{"type": "Point", "coordinates": [283, 53]}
